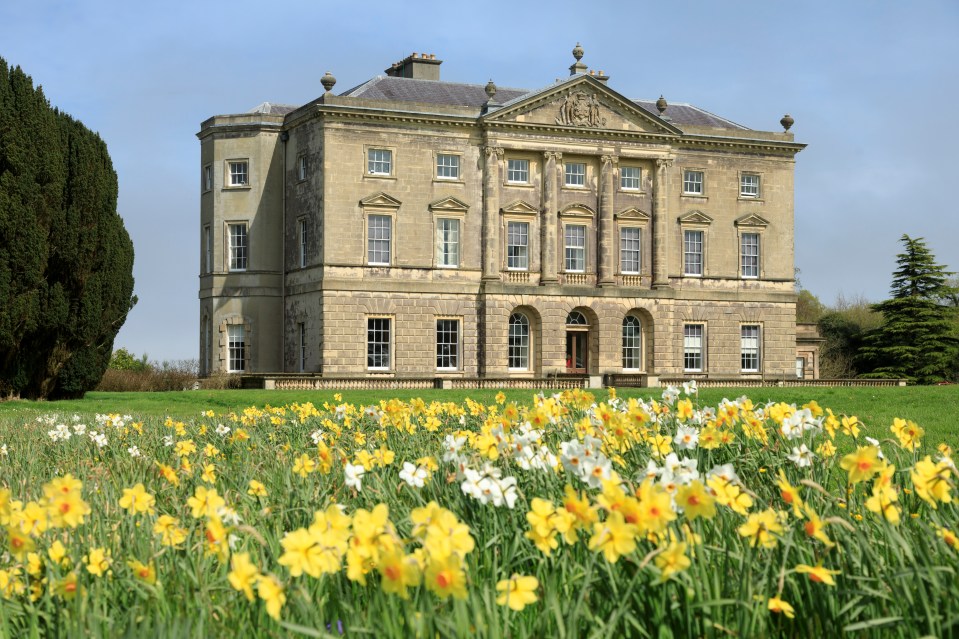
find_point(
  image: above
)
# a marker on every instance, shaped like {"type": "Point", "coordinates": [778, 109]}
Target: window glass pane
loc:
{"type": "Point", "coordinates": [749, 186]}
{"type": "Point", "coordinates": [749, 254]}
{"type": "Point", "coordinates": [239, 173]}
{"type": "Point", "coordinates": [693, 347]}
{"type": "Point", "coordinates": [518, 343]}
{"type": "Point", "coordinates": [448, 166]}
{"type": "Point", "coordinates": [378, 342]}
{"type": "Point", "coordinates": [575, 248]}
{"type": "Point", "coordinates": [379, 236]}
{"type": "Point", "coordinates": [517, 244]}
{"type": "Point", "coordinates": [629, 250]}
{"type": "Point", "coordinates": [517, 171]}
{"type": "Point", "coordinates": [447, 343]}
{"type": "Point", "coordinates": [632, 343]}
{"type": "Point", "coordinates": [575, 174]}
{"type": "Point", "coordinates": [301, 167]}
{"type": "Point", "coordinates": [303, 240]}
{"type": "Point", "coordinates": [750, 348]}
{"type": "Point", "coordinates": [236, 344]}
{"type": "Point", "coordinates": [448, 242]}
{"type": "Point", "coordinates": [238, 247]}
{"type": "Point", "coordinates": [207, 178]}
{"type": "Point", "coordinates": [693, 252]}
{"type": "Point", "coordinates": [380, 161]}
{"type": "Point", "coordinates": [629, 178]}
{"type": "Point", "coordinates": [693, 182]}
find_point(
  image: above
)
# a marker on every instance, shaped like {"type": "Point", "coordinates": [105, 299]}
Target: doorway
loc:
{"type": "Point", "coordinates": [577, 343]}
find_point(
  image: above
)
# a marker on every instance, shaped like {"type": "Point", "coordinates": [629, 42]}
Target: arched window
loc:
{"type": "Point", "coordinates": [632, 343]}
{"type": "Point", "coordinates": [575, 318]}
{"type": "Point", "coordinates": [518, 344]}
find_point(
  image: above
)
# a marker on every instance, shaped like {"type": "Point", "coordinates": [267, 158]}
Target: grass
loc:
{"type": "Point", "coordinates": [935, 408]}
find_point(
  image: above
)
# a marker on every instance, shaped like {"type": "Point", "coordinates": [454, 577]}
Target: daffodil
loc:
{"type": "Point", "coordinates": [517, 592]}
{"type": "Point", "coordinates": [818, 574]}
{"type": "Point", "coordinates": [243, 575]}
{"type": "Point", "coordinates": [137, 500]}
{"type": "Point", "coordinates": [779, 606]}
{"type": "Point", "coordinates": [271, 592]}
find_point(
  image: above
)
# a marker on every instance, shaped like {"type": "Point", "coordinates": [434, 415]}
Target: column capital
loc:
{"type": "Point", "coordinates": [664, 163]}
{"type": "Point", "coordinates": [552, 155]}
{"type": "Point", "coordinates": [492, 151]}
{"type": "Point", "coordinates": [609, 159]}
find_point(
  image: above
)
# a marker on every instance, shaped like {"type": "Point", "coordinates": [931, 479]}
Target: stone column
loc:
{"type": "Point", "coordinates": [660, 226]}
{"type": "Point", "coordinates": [548, 218]}
{"type": "Point", "coordinates": [606, 228]}
{"type": "Point", "coordinates": [491, 180]}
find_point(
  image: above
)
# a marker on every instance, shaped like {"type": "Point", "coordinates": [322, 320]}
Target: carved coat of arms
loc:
{"type": "Point", "coordinates": [580, 109]}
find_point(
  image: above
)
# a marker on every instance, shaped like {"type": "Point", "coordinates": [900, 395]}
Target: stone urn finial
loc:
{"type": "Point", "coordinates": [490, 89]}
{"type": "Point", "coordinates": [661, 104]}
{"type": "Point", "coordinates": [787, 122]}
{"type": "Point", "coordinates": [328, 81]}
{"type": "Point", "coordinates": [578, 52]}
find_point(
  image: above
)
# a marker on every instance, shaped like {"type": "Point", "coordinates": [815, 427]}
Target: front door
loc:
{"type": "Point", "coordinates": [576, 351]}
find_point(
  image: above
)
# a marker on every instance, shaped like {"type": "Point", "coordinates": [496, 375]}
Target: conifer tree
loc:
{"type": "Point", "coordinates": [66, 260]}
{"type": "Point", "coordinates": [917, 339]}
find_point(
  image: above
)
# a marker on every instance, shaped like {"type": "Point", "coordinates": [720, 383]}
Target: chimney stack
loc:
{"type": "Point", "coordinates": [419, 66]}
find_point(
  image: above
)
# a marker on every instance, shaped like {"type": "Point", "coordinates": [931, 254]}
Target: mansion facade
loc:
{"type": "Point", "coordinates": [413, 227]}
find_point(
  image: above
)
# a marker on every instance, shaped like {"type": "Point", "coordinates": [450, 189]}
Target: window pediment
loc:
{"type": "Point", "coordinates": [695, 217]}
{"type": "Point", "coordinates": [520, 207]}
{"type": "Point", "coordinates": [449, 203]}
{"type": "Point", "coordinates": [380, 200]}
{"type": "Point", "coordinates": [577, 210]}
{"type": "Point", "coordinates": [632, 213]}
{"type": "Point", "coordinates": [752, 220]}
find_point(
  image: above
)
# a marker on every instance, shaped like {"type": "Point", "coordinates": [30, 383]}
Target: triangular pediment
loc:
{"type": "Point", "coordinates": [520, 207]}
{"type": "Point", "coordinates": [380, 199]}
{"type": "Point", "coordinates": [695, 217]}
{"type": "Point", "coordinates": [752, 220]}
{"type": "Point", "coordinates": [449, 203]}
{"type": "Point", "coordinates": [577, 210]}
{"type": "Point", "coordinates": [632, 213]}
{"type": "Point", "coordinates": [580, 104]}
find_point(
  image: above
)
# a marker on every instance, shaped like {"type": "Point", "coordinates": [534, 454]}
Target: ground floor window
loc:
{"type": "Point", "coordinates": [378, 343]}
{"type": "Point", "coordinates": [749, 340]}
{"type": "Point", "coordinates": [447, 344]}
{"type": "Point", "coordinates": [236, 344]}
{"type": "Point", "coordinates": [693, 348]}
{"type": "Point", "coordinates": [800, 368]}
{"type": "Point", "coordinates": [632, 343]}
{"type": "Point", "coordinates": [301, 330]}
{"type": "Point", "coordinates": [518, 343]}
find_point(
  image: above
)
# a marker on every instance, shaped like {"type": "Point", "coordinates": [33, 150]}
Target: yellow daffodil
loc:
{"type": "Point", "coordinates": [517, 592]}
{"type": "Point", "coordinates": [243, 575]}
{"type": "Point", "coordinates": [818, 574]}
{"type": "Point", "coordinates": [137, 500]}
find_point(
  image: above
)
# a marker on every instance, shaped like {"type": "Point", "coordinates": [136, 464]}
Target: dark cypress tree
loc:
{"type": "Point", "coordinates": [916, 339]}
{"type": "Point", "coordinates": [66, 260]}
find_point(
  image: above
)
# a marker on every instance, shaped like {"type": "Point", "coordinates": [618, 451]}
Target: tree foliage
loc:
{"type": "Point", "coordinates": [808, 307]}
{"type": "Point", "coordinates": [66, 260]}
{"type": "Point", "coordinates": [917, 338]}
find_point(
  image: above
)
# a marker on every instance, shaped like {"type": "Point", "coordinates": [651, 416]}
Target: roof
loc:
{"type": "Point", "coordinates": [273, 109]}
{"type": "Point", "coordinates": [396, 89]}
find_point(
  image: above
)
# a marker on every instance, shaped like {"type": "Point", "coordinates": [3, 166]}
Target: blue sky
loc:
{"type": "Point", "coordinates": [873, 87]}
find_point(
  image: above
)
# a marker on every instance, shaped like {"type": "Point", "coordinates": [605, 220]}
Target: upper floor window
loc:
{"type": "Point", "coordinates": [629, 254]}
{"type": "Point", "coordinates": [575, 248]}
{"type": "Point", "coordinates": [207, 249]}
{"type": "Point", "coordinates": [517, 171]}
{"type": "Point", "coordinates": [692, 252]}
{"type": "Point", "coordinates": [517, 246]}
{"type": "Point", "coordinates": [239, 173]}
{"type": "Point", "coordinates": [447, 167]}
{"type": "Point", "coordinates": [448, 242]}
{"type": "Point", "coordinates": [301, 168]}
{"type": "Point", "coordinates": [302, 232]}
{"type": "Point", "coordinates": [749, 254]}
{"type": "Point", "coordinates": [629, 178]}
{"type": "Point", "coordinates": [379, 235]}
{"type": "Point", "coordinates": [693, 182]}
{"type": "Point", "coordinates": [239, 247]}
{"type": "Point", "coordinates": [208, 177]}
{"type": "Point", "coordinates": [575, 174]}
{"type": "Point", "coordinates": [379, 162]}
{"type": "Point", "coordinates": [749, 185]}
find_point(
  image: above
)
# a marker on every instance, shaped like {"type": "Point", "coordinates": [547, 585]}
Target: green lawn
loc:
{"type": "Point", "coordinates": [935, 408]}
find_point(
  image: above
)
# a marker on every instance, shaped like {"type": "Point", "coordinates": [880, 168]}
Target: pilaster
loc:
{"type": "Point", "coordinates": [606, 232]}
{"type": "Point", "coordinates": [549, 218]}
{"type": "Point", "coordinates": [660, 227]}
{"type": "Point", "coordinates": [491, 182]}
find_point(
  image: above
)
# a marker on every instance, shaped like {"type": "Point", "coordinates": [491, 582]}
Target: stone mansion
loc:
{"type": "Point", "coordinates": [413, 227]}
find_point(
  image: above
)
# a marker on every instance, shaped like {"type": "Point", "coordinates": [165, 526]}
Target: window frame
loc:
{"type": "Point", "coordinates": [301, 349]}
{"type": "Point", "coordinates": [301, 167]}
{"type": "Point", "coordinates": [567, 247]}
{"type": "Point", "coordinates": [236, 349]}
{"type": "Point", "coordinates": [231, 176]}
{"type": "Point", "coordinates": [438, 167]}
{"type": "Point", "coordinates": [207, 178]}
{"type": "Point", "coordinates": [622, 178]}
{"type": "Point", "coordinates": [743, 176]}
{"type": "Point", "coordinates": [694, 354]}
{"type": "Point", "coordinates": [375, 325]}
{"type": "Point", "coordinates": [525, 246]}
{"type": "Point", "coordinates": [522, 350]}
{"type": "Point", "coordinates": [525, 171]}
{"type": "Point", "coordinates": [568, 173]}
{"type": "Point", "coordinates": [238, 253]}
{"type": "Point", "coordinates": [623, 228]}
{"type": "Point", "coordinates": [453, 345]}
{"type": "Point", "coordinates": [441, 244]}
{"type": "Point", "coordinates": [687, 181]}
{"type": "Point", "coordinates": [753, 351]}
{"type": "Point", "coordinates": [207, 249]}
{"type": "Point", "coordinates": [302, 231]}
{"type": "Point", "coordinates": [628, 346]}
{"type": "Point", "coordinates": [743, 256]}
{"type": "Point", "coordinates": [369, 239]}
{"type": "Point", "coordinates": [687, 253]}
{"type": "Point", "coordinates": [371, 162]}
